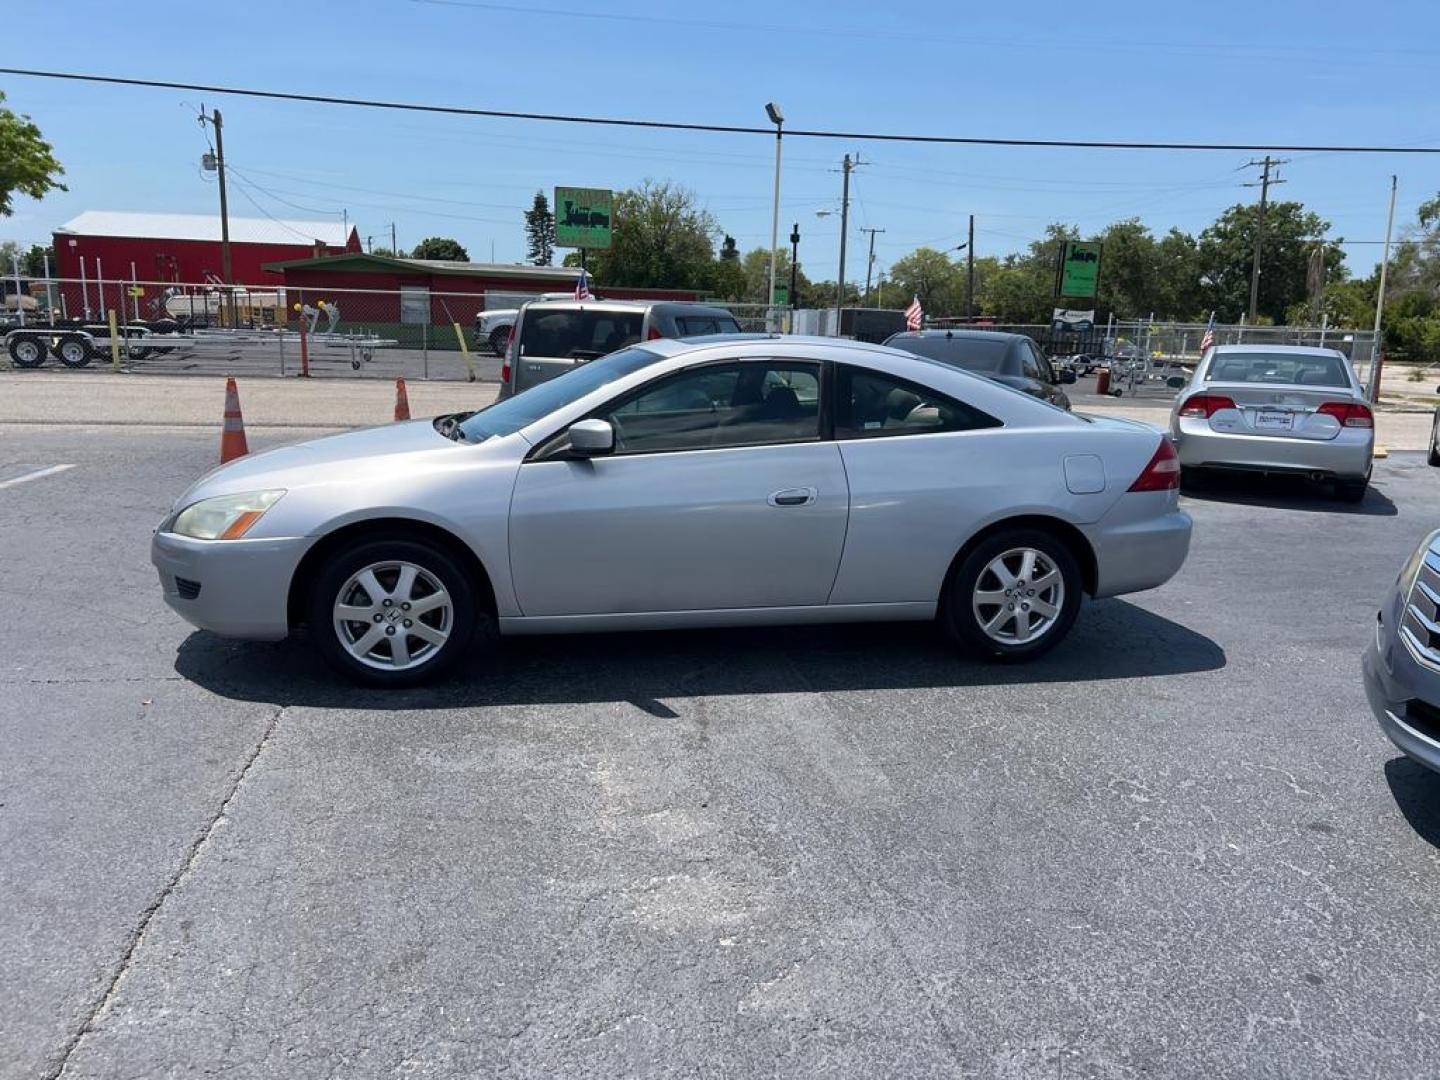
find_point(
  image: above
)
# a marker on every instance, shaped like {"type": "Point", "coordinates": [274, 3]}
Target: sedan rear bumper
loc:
{"type": "Point", "coordinates": [1346, 456]}
{"type": "Point", "coordinates": [236, 588]}
{"type": "Point", "coordinates": [1140, 544]}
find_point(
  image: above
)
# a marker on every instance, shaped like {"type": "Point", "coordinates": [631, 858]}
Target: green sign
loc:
{"type": "Point", "coordinates": [582, 217]}
{"type": "Point", "coordinates": [1079, 273]}
{"type": "Point", "coordinates": [782, 296]}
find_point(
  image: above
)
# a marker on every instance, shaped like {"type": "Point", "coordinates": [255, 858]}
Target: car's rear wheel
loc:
{"type": "Point", "coordinates": [1014, 596]}
{"type": "Point", "coordinates": [393, 612]}
{"type": "Point", "coordinates": [1351, 491]}
{"type": "Point", "coordinates": [499, 337]}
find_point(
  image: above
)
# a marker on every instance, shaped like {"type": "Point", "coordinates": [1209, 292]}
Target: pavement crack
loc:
{"type": "Point", "coordinates": [137, 936]}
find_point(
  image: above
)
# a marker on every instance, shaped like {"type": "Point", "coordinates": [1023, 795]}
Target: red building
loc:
{"type": "Point", "coordinates": [383, 289]}
{"type": "Point", "coordinates": [184, 249]}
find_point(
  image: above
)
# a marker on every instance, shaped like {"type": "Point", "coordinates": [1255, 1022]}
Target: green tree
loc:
{"type": "Point", "coordinates": [27, 161]}
{"type": "Point", "coordinates": [1227, 251]}
{"type": "Point", "coordinates": [931, 276]}
{"type": "Point", "coordinates": [1022, 287]}
{"type": "Point", "coordinates": [659, 239]}
{"type": "Point", "coordinates": [755, 273]}
{"type": "Point", "coordinates": [32, 262]}
{"type": "Point", "coordinates": [440, 247]}
{"type": "Point", "coordinates": [540, 231]}
{"type": "Point", "coordinates": [1178, 291]}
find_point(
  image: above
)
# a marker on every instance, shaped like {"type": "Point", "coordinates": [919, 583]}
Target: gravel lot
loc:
{"type": "Point", "coordinates": [1178, 846]}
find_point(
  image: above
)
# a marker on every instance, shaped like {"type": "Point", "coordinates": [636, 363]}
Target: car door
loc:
{"type": "Point", "coordinates": [725, 490]}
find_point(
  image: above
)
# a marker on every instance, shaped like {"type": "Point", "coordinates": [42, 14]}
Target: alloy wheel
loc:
{"type": "Point", "coordinates": [1018, 597]}
{"type": "Point", "coordinates": [393, 616]}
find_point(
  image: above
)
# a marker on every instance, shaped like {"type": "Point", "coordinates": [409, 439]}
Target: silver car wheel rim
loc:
{"type": "Point", "coordinates": [393, 616]}
{"type": "Point", "coordinates": [72, 352]}
{"type": "Point", "coordinates": [1018, 596]}
{"type": "Point", "coordinates": [27, 351]}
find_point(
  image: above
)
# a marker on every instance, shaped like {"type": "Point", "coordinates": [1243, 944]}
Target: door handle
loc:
{"type": "Point", "coordinates": [800, 496]}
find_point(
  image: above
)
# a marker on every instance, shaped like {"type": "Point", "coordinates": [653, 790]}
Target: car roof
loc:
{"type": "Point", "coordinates": [1278, 350]}
{"type": "Point", "coordinates": [627, 305]}
{"type": "Point", "coordinates": [972, 333]}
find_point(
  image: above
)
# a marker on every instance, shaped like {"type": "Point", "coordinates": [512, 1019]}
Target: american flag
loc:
{"type": "Point", "coordinates": [914, 315]}
{"type": "Point", "coordinates": [582, 287]}
{"type": "Point", "coordinates": [1209, 338]}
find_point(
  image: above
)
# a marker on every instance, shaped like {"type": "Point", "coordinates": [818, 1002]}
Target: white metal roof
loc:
{"type": "Point", "coordinates": [204, 227]}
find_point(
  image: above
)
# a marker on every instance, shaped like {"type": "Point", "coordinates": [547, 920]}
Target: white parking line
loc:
{"type": "Point", "coordinates": [38, 474]}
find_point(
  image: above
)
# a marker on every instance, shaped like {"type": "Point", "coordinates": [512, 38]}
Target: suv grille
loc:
{"type": "Point", "coordinates": [1420, 624]}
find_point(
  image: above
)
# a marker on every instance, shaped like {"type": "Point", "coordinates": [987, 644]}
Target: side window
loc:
{"type": "Point", "coordinates": [696, 325]}
{"type": "Point", "coordinates": [1030, 362]}
{"type": "Point", "coordinates": [720, 405]}
{"type": "Point", "coordinates": [870, 405]}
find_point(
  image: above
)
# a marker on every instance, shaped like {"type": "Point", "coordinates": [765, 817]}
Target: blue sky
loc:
{"type": "Point", "coordinates": [1269, 73]}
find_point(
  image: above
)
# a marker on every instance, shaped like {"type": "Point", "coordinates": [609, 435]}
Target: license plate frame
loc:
{"type": "Point", "coordinates": [1276, 420]}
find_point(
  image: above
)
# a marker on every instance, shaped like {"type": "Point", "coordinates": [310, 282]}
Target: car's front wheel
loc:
{"type": "Point", "coordinates": [392, 612]}
{"type": "Point", "coordinates": [1015, 596]}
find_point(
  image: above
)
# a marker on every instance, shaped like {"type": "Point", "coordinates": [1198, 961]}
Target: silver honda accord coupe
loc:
{"type": "Point", "coordinates": [1276, 409]}
{"type": "Point", "coordinates": [717, 482]}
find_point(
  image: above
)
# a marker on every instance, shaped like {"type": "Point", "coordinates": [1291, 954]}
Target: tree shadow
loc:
{"type": "Point", "coordinates": [1416, 791]}
{"type": "Point", "coordinates": [1286, 493]}
{"type": "Point", "coordinates": [1111, 640]}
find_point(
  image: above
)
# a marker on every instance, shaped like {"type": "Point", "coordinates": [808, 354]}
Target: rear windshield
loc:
{"type": "Point", "coordinates": [1287, 370]}
{"type": "Point", "coordinates": [577, 334]}
{"type": "Point", "coordinates": [510, 415]}
{"type": "Point", "coordinates": [701, 325]}
{"type": "Point", "coordinates": [972, 354]}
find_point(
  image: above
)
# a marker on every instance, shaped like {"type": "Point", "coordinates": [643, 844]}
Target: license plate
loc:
{"type": "Point", "coordinates": [1274, 420]}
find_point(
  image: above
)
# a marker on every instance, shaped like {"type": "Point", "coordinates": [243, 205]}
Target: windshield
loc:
{"type": "Point", "coordinates": [1295, 369]}
{"type": "Point", "coordinates": [970, 353]}
{"type": "Point", "coordinates": [509, 416]}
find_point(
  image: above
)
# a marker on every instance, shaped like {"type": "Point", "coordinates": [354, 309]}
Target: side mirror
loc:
{"type": "Point", "coordinates": [592, 438]}
{"type": "Point", "coordinates": [1067, 375]}
{"type": "Point", "coordinates": [1176, 382]}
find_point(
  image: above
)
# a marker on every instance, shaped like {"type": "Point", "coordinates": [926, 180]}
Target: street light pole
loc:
{"type": "Point", "coordinates": [970, 273]}
{"type": "Point", "coordinates": [778, 119]}
{"type": "Point", "coordinates": [794, 269]}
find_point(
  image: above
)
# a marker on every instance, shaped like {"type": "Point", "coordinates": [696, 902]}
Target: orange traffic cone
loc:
{"type": "Point", "coordinates": [402, 401]}
{"type": "Point", "coordinates": [232, 435]}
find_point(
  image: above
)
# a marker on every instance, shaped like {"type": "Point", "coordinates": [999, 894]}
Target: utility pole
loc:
{"type": "Point", "coordinates": [1376, 357]}
{"type": "Point", "coordinates": [869, 263]}
{"type": "Point", "coordinates": [1264, 186]}
{"type": "Point", "coordinates": [226, 274]}
{"type": "Point", "coordinates": [970, 273]}
{"type": "Point", "coordinates": [846, 166]}
{"type": "Point", "coordinates": [794, 269]}
{"type": "Point", "coordinates": [394, 247]}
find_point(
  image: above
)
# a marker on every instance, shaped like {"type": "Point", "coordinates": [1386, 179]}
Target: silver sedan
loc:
{"type": "Point", "coordinates": [1276, 409]}
{"type": "Point", "coordinates": [722, 482]}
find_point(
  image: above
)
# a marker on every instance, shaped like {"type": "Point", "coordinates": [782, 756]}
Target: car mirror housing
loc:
{"type": "Point", "coordinates": [592, 438]}
{"type": "Point", "coordinates": [1067, 376]}
{"type": "Point", "coordinates": [1176, 382]}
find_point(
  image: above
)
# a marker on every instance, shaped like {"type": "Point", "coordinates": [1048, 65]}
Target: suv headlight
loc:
{"type": "Point", "coordinates": [226, 517]}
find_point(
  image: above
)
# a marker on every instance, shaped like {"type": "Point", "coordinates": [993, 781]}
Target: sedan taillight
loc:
{"type": "Point", "coordinates": [1204, 406]}
{"type": "Point", "coordinates": [1163, 472]}
{"type": "Point", "coordinates": [1349, 413]}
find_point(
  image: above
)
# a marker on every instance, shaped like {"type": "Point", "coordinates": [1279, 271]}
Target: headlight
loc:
{"type": "Point", "coordinates": [227, 517]}
{"type": "Point", "coordinates": [1411, 569]}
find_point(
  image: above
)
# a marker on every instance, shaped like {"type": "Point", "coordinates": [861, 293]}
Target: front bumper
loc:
{"type": "Point", "coordinates": [1393, 680]}
{"type": "Point", "coordinates": [1346, 456]}
{"type": "Point", "coordinates": [243, 585]}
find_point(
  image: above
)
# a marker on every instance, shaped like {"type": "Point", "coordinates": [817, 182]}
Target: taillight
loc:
{"type": "Point", "coordinates": [1204, 406]}
{"type": "Point", "coordinates": [1349, 413]}
{"type": "Point", "coordinates": [654, 334]}
{"type": "Point", "coordinates": [1163, 472]}
{"type": "Point", "coordinates": [505, 367]}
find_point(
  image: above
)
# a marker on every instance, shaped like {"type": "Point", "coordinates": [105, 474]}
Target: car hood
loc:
{"type": "Point", "coordinates": [348, 456]}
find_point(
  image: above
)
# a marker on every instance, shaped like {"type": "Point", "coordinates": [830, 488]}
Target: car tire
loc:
{"type": "Point", "coordinates": [975, 597]}
{"type": "Point", "coordinates": [499, 337]}
{"type": "Point", "coordinates": [1351, 491]}
{"type": "Point", "coordinates": [26, 350]}
{"type": "Point", "coordinates": [1434, 456]}
{"type": "Point", "coordinates": [346, 643]}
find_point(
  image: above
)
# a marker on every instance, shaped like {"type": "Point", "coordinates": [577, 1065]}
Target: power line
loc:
{"type": "Point", "coordinates": [728, 129]}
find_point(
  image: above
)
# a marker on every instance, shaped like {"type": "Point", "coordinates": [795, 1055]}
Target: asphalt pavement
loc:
{"type": "Point", "coordinates": [1177, 846]}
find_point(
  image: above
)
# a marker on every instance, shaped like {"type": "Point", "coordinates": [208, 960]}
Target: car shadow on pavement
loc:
{"type": "Point", "coordinates": [1287, 493]}
{"type": "Point", "coordinates": [1416, 791]}
{"type": "Point", "coordinates": [1112, 639]}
